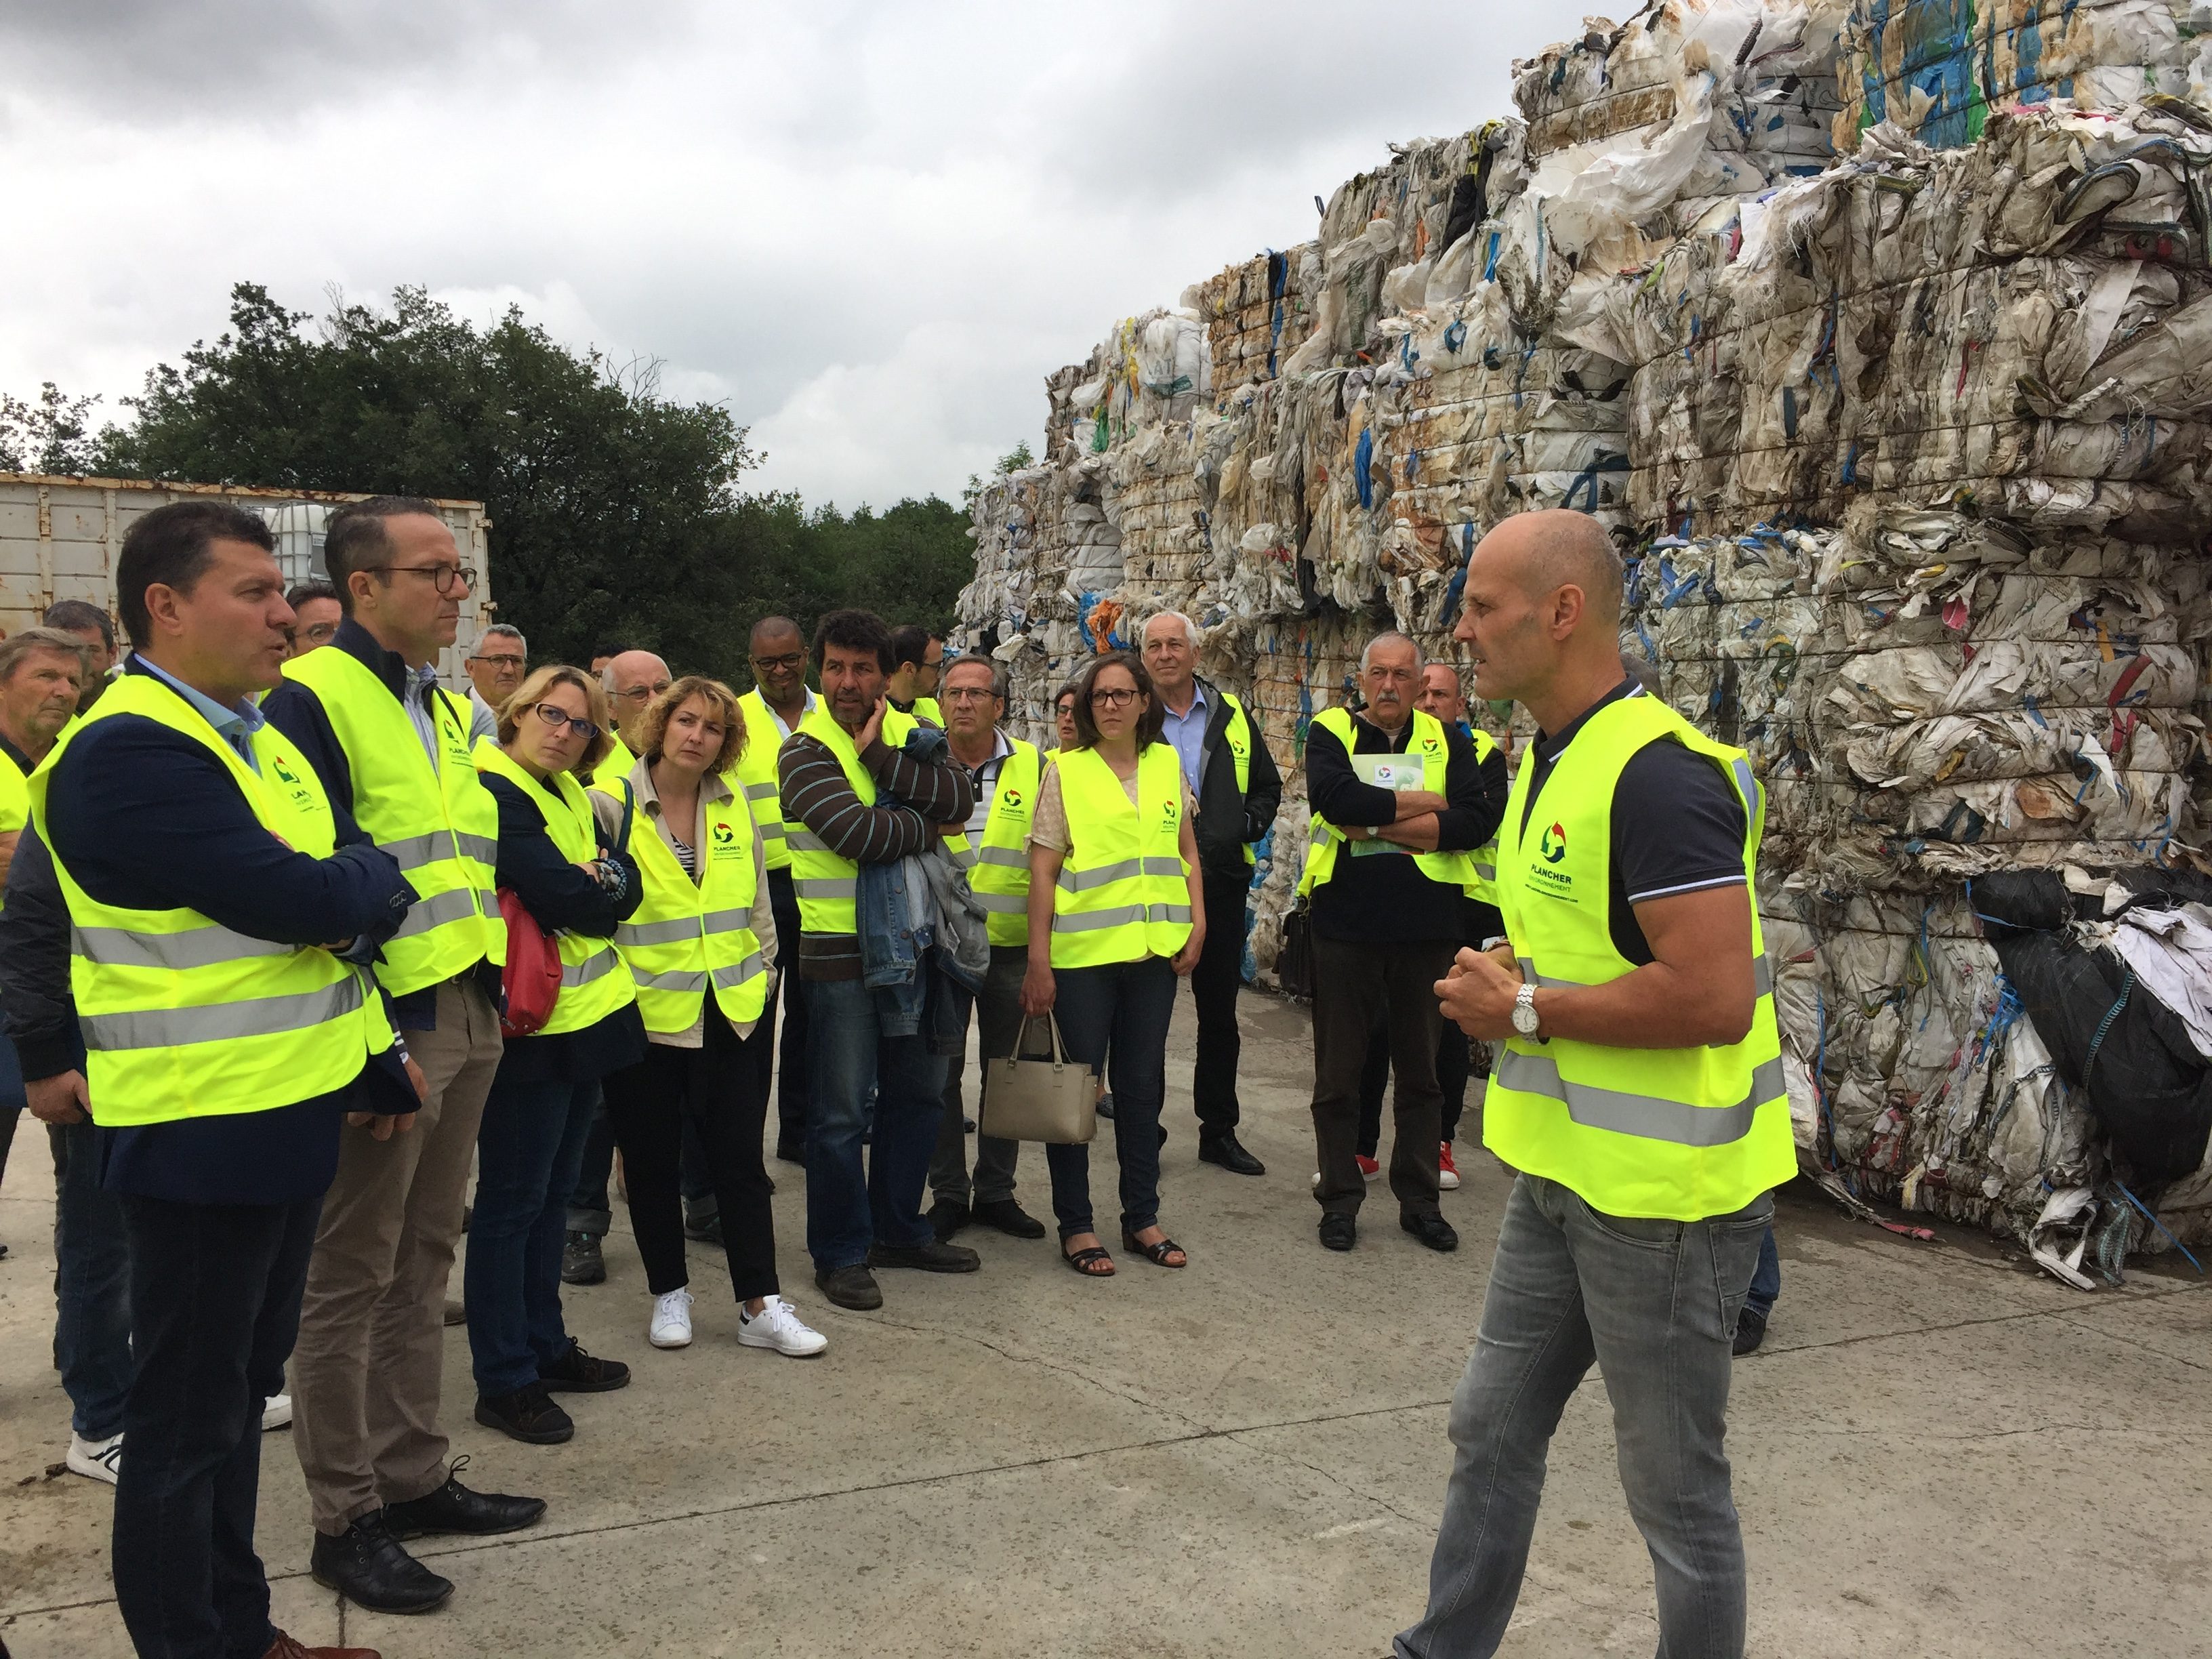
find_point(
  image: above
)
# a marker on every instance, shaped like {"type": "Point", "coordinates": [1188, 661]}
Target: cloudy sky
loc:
{"type": "Point", "coordinates": [870, 229]}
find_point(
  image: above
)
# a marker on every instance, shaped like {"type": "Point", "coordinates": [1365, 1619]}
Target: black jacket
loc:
{"type": "Point", "coordinates": [1228, 822]}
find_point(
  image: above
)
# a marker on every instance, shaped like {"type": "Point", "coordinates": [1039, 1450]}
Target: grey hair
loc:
{"type": "Point", "coordinates": [998, 670]}
{"type": "Point", "coordinates": [1392, 636]}
{"type": "Point", "coordinates": [1189, 628]}
{"type": "Point", "coordinates": [21, 643]}
{"type": "Point", "coordinates": [506, 631]}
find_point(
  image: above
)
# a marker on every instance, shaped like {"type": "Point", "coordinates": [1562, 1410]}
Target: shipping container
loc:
{"type": "Point", "coordinates": [59, 537]}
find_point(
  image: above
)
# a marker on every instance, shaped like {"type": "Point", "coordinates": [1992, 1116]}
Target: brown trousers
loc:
{"type": "Point", "coordinates": [366, 1368]}
{"type": "Point", "coordinates": [1359, 990]}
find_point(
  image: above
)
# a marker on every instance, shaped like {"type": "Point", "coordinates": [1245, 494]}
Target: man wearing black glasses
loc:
{"type": "Point", "coordinates": [495, 670]}
{"type": "Point", "coordinates": [391, 747]}
{"type": "Point", "coordinates": [633, 680]}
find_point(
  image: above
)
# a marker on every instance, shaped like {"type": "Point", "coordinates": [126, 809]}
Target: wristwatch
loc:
{"type": "Point", "coordinates": [1524, 1010]}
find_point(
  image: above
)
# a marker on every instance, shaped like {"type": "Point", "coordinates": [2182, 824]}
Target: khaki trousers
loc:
{"type": "Point", "coordinates": [366, 1368]}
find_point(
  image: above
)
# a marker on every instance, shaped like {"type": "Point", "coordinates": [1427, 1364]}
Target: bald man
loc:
{"type": "Point", "coordinates": [1639, 1096]}
{"type": "Point", "coordinates": [633, 680]}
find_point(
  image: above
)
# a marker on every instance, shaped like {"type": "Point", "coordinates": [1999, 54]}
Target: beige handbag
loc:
{"type": "Point", "coordinates": [1050, 1098]}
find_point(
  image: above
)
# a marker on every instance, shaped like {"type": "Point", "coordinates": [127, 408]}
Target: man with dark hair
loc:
{"type": "Point", "coordinates": [390, 745]}
{"type": "Point", "coordinates": [178, 819]}
{"type": "Point", "coordinates": [773, 710]}
{"type": "Point", "coordinates": [851, 750]}
{"type": "Point", "coordinates": [917, 658]}
{"type": "Point", "coordinates": [95, 630]}
{"type": "Point", "coordinates": [316, 612]}
{"type": "Point", "coordinates": [606, 654]}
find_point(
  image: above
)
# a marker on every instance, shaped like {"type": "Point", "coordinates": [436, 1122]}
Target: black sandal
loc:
{"type": "Point", "coordinates": [1085, 1261]}
{"type": "Point", "coordinates": [1157, 1253]}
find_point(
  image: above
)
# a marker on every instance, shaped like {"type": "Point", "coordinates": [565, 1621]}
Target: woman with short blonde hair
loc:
{"type": "Point", "coordinates": [597, 710]}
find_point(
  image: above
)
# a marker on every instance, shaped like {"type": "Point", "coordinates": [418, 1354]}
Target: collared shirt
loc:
{"type": "Point", "coordinates": [783, 731]}
{"type": "Point", "coordinates": [1186, 732]}
{"type": "Point", "coordinates": [235, 726]}
{"type": "Point", "coordinates": [986, 784]}
{"type": "Point", "coordinates": [421, 683]}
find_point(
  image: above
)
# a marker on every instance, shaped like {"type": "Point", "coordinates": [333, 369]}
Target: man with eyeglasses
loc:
{"type": "Point", "coordinates": [778, 701]}
{"type": "Point", "coordinates": [496, 668]}
{"type": "Point", "coordinates": [316, 614]}
{"type": "Point", "coordinates": [633, 680]}
{"type": "Point", "coordinates": [391, 747]}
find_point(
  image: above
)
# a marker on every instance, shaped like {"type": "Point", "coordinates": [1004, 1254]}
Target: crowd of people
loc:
{"type": "Point", "coordinates": [311, 965]}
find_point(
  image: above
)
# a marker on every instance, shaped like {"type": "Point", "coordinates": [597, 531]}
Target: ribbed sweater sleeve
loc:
{"type": "Point", "coordinates": [814, 792]}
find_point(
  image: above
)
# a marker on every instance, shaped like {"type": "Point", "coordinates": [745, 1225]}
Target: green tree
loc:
{"type": "Point", "coordinates": [48, 434]}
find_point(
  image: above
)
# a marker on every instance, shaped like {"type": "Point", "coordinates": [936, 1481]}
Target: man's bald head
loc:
{"type": "Point", "coordinates": [1559, 548]}
{"type": "Point", "coordinates": [1540, 606]}
{"type": "Point", "coordinates": [633, 680]}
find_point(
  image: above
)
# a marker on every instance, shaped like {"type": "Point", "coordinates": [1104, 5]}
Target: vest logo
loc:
{"type": "Point", "coordinates": [1011, 799]}
{"type": "Point", "coordinates": [1554, 846]}
{"type": "Point", "coordinates": [1430, 746]}
{"type": "Point", "coordinates": [284, 774]}
{"type": "Point", "coordinates": [724, 836]}
{"type": "Point", "coordinates": [1170, 812]}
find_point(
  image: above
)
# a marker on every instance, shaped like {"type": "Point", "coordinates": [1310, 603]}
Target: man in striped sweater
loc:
{"type": "Point", "coordinates": [833, 773]}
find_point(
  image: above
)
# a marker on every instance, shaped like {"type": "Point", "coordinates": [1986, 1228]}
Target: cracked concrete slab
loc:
{"type": "Point", "coordinates": [1939, 1452]}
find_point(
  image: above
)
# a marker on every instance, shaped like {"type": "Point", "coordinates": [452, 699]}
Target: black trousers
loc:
{"type": "Point", "coordinates": [716, 1089]}
{"type": "Point", "coordinates": [1213, 986]}
{"type": "Point", "coordinates": [1360, 990]}
{"type": "Point", "coordinates": [1454, 1066]}
{"type": "Point", "coordinates": [215, 1304]}
{"type": "Point", "coordinates": [787, 1059]}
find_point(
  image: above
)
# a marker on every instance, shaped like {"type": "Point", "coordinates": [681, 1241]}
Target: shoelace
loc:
{"type": "Point", "coordinates": [775, 1311]}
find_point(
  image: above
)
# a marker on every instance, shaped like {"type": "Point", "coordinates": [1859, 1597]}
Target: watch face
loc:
{"type": "Point", "coordinates": [1524, 1018]}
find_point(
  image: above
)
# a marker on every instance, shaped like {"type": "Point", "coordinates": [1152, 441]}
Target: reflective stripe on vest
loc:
{"type": "Point", "coordinates": [755, 770]}
{"type": "Point", "coordinates": [827, 884]}
{"type": "Point", "coordinates": [590, 989]}
{"type": "Point", "coordinates": [1001, 876]}
{"type": "Point", "coordinates": [182, 1016]}
{"type": "Point", "coordinates": [686, 935]}
{"type": "Point", "coordinates": [1679, 1133]}
{"type": "Point", "coordinates": [1425, 741]}
{"type": "Point", "coordinates": [1123, 891]}
{"type": "Point", "coordinates": [439, 823]}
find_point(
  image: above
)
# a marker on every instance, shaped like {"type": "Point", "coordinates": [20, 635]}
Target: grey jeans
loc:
{"type": "Point", "coordinates": [1654, 1304]}
{"type": "Point", "coordinates": [998, 1012]}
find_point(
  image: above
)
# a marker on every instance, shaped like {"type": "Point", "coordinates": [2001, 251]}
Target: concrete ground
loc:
{"type": "Point", "coordinates": [1938, 1452]}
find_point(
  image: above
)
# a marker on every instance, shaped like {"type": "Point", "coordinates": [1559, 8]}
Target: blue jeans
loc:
{"type": "Point", "coordinates": [849, 1208]}
{"type": "Point", "coordinates": [215, 1303]}
{"type": "Point", "coordinates": [91, 1285]}
{"type": "Point", "coordinates": [1121, 1009]}
{"type": "Point", "coordinates": [528, 1151]}
{"type": "Point", "coordinates": [1653, 1304]}
{"type": "Point", "coordinates": [1766, 1278]}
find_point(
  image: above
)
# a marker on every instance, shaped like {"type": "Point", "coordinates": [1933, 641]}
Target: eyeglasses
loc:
{"type": "Point", "coordinates": [316, 632]}
{"type": "Point", "coordinates": [967, 694]}
{"type": "Point", "coordinates": [503, 663]}
{"type": "Point", "coordinates": [556, 717]}
{"type": "Point", "coordinates": [640, 693]}
{"type": "Point", "coordinates": [447, 579]}
{"type": "Point", "coordinates": [788, 660]}
{"type": "Point", "coordinates": [1120, 697]}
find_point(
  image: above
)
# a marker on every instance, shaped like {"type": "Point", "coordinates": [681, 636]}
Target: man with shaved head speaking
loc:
{"type": "Point", "coordinates": [1639, 1098]}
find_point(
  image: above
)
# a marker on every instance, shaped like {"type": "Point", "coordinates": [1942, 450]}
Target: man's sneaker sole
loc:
{"type": "Point", "coordinates": [659, 1341]}
{"type": "Point", "coordinates": [92, 1468]}
{"type": "Point", "coordinates": [747, 1339]}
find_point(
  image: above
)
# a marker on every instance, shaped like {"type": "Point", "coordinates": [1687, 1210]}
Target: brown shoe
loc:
{"type": "Point", "coordinates": [456, 1313]}
{"type": "Point", "coordinates": [286, 1647]}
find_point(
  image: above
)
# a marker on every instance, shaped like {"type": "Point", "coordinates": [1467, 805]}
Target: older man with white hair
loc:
{"type": "Point", "coordinates": [1233, 780]}
{"type": "Point", "coordinates": [495, 670]}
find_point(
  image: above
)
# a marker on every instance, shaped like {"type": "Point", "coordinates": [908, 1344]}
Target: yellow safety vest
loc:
{"type": "Point", "coordinates": [1123, 888]}
{"type": "Point", "coordinates": [1239, 735]}
{"type": "Point", "coordinates": [438, 822]}
{"type": "Point", "coordinates": [1483, 889]}
{"type": "Point", "coordinates": [617, 763]}
{"type": "Point", "coordinates": [757, 772]}
{"type": "Point", "coordinates": [684, 934]}
{"type": "Point", "coordinates": [926, 709]}
{"type": "Point", "coordinates": [1001, 873]}
{"type": "Point", "coordinates": [1678, 1134]}
{"type": "Point", "coordinates": [591, 988]}
{"type": "Point", "coordinates": [1427, 743]}
{"type": "Point", "coordinates": [181, 1016]}
{"type": "Point", "coordinates": [825, 883]}
{"type": "Point", "coordinates": [15, 799]}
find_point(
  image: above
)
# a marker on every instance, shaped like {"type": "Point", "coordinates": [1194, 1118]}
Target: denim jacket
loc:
{"type": "Point", "coordinates": [892, 910]}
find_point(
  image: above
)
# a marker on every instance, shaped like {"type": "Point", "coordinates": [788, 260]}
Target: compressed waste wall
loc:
{"type": "Point", "coordinates": [1881, 337]}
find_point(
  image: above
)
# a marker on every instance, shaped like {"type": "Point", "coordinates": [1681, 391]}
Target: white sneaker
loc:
{"type": "Point", "coordinates": [1316, 1182]}
{"type": "Point", "coordinates": [100, 1460]}
{"type": "Point", "coordinates": [775, 1326]}
{"type": "Point", "coordinates": [276, 1413]}
{"type": "Point", "coordinates": [671, 1321]}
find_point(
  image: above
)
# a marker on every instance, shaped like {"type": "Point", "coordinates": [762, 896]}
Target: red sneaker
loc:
{"type": "Point", "coordinates": [1447, 1171]}
{"type": "Point", "coordinates": [1368, 1169]}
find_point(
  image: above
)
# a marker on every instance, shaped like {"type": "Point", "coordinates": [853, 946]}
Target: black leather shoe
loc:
{"type": "Point", "coordinates": [709, 1231]}
{"type": "Point", "coordinates": [1338, 1232]}
{"type": "Point", "coordinates": [929, 1258]}
{"type": "Point", "coordinates": [1229, 1154]}
{"type": "Point", "coordinates": [1750, 1331]}
{"type": "Point", "coordinates": [530, 1415]}
{"type": "Point", "coordinates": [853, 1287]}
{"type": "Point", "coordinates": [365, 1565]}
{"type": "Point", "coordinates": [791, 1152]}
{"type": "Point", "coordinates": [946, 1218]}
{"type": "Point", "coordinates": [454, 1509]}
{"type": "Point", "coordinates": [1010, 1219]}
{"type": "Point", "coordinates": [1106, 1107]}
{"type": "Point", "coordinates": [577, 1372]}
{"type": "Point", "coordinates": [580, 1260]}
{"type": "Point", "coordinates": [1432, 1231]}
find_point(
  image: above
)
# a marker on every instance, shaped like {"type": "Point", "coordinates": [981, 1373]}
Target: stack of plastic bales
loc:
{"type": "Point", "coordinates": [1939, 69]}
{"type": "Point", "coordinates": [1910, 453]}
